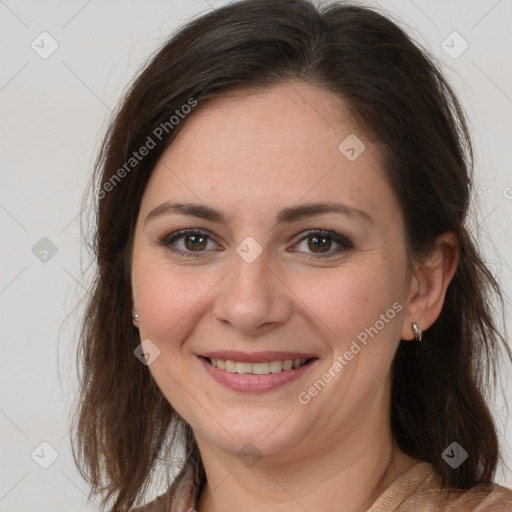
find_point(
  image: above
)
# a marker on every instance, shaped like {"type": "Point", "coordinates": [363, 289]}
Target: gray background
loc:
{"type": "Point", "coordinates": [53, 113]}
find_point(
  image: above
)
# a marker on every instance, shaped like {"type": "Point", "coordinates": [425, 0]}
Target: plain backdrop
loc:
{"type": "Point", "coordinates": [54, 109]}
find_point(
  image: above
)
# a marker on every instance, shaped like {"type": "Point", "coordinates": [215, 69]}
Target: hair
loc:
{"type": "Point", "coordinates": [398, 98]}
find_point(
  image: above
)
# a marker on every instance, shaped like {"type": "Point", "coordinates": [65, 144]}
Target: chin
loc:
{"type": "Point", "coordinates": [253, 435]}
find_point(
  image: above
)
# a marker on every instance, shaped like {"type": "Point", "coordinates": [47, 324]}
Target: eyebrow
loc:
{"type": "Point", "coordinates": [287, 215]}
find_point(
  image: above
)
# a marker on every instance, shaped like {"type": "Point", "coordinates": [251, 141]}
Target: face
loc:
{"type": "Point", "coordinates": [261, 277]}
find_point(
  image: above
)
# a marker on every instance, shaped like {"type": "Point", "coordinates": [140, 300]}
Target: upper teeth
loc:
{"type": "Point", "coordinates": [256, 368]}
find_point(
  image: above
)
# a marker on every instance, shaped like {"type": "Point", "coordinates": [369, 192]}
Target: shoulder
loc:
{"type": "Point", "coordinates": [421, 489]}
{"type": "Point", "coordinates": [490, 497]}
{"type": "Point", "coordinates": [177, 497]}
{"type": "Point", "coordinates": [482, 498]}
{"type": "Point", "coordinates": [160, 504]}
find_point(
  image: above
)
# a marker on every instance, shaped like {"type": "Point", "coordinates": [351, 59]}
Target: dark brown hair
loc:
{"type": "Point", "coordinates": [397, 96]}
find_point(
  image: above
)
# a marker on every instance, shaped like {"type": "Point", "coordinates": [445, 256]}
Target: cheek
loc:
{"type": "Point", "coordinates": [167, 300]}
{"type": "Point", "coordinates": [347, 300]}
{"type": "Point", "coordinates": [165, 296]}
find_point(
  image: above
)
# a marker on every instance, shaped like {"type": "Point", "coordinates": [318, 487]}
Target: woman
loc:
{"type": "Point", "coordinates": [286, 287]}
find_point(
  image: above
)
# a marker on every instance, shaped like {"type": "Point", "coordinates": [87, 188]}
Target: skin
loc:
{"type": "Point", "coordinates": [337, 448]}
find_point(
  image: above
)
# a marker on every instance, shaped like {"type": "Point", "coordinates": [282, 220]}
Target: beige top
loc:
{"type": "Point", "coordinates": [417, 490]}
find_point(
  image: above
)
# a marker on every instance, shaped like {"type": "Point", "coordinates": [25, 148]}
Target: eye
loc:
{"type": "Point", "coordinates": [191, 241]}
{"type": "Point", "coordinates": [320, 242]}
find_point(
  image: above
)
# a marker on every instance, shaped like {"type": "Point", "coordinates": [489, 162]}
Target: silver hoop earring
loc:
{"type": "Point", "coordinates": [135, 319]}
{"type": "Point", "coordinates": [418, 333]}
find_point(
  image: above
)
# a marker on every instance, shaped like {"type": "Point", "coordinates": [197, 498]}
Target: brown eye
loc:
{"type": "Point", "coordinates": [321, 242]}
{"type": "Point", "coordinates": [188, 242]}
{"type": "Point", "coordinates": [195, 242]}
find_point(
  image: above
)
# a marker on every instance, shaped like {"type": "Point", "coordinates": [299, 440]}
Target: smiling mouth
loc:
{"type": "Point", "coordinates": [261, 368]}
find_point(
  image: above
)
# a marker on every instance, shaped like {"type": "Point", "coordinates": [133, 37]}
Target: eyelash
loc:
{"type": "Point", "coordinates": [344, 242]}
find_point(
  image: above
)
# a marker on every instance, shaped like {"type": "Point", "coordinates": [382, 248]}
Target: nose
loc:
{"type": "Point", "coordinates": [253, 298]}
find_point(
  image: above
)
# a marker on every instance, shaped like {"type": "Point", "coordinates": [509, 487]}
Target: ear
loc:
{"type": "Point", "coordinates": [429, 282]}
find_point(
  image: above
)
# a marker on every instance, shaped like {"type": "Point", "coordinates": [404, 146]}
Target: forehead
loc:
{"type": "Point", "coordinates": [276, 146]}
{"type": "Point", "coordinates": [291, 120]}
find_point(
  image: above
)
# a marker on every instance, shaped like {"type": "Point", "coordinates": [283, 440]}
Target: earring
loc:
{"type": "Point", "coordinates": [135, 319]}
{"type": "Point", "coordinates": [418, 334]}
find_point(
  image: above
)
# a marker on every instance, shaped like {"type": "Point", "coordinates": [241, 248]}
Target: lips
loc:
{"type": "Point", "coordinates": [256, 372]}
